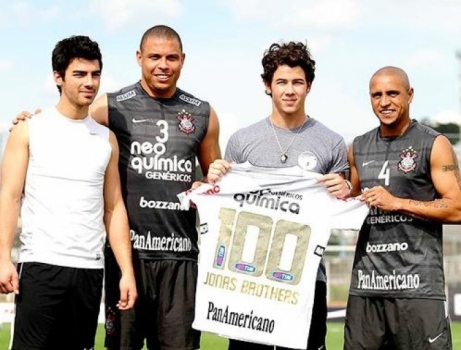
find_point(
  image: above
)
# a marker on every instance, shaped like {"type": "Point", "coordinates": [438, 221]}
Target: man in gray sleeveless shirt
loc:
{"type": "Point", "coordinates": [410, 179]}
{"type": "Point", "coordinates": [289, 137]}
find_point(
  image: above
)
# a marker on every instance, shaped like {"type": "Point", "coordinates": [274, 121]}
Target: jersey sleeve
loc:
{"type": "Point", "coordinates": [233, 150]}
{"type": "Point", "coordinates": [339, 161]}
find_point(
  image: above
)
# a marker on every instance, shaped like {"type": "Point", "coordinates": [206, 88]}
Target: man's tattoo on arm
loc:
{"type": "Point", "coordinates": [438, 204]}
{"type": "Point", "coordinates": [456, 168]}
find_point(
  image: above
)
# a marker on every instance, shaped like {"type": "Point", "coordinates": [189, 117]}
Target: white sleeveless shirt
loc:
{"type": "Point", "coordinates": [63, 207]}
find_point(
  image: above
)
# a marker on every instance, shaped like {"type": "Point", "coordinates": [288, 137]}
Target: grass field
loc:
{"type": "Point", "coordinates": [212, 342]}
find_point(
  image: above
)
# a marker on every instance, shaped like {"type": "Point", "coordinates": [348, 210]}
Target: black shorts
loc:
{"type": "Point", "coordinates": [397, 324]}
{"type": "Point", "coordinates": [112, 276]}
{"type": "Point", "coordinates": [164, 311]}
{"type": "Point", "coordinates": [57, 307]}
{"type": "Point", "coordinates": [317, 331]}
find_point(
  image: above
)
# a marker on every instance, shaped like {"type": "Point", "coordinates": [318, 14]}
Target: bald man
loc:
{"type": "Point", "coordinates": [409, 177]}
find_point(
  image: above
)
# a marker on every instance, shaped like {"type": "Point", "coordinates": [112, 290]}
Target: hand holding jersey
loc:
{"type": "Point", "coordinates": [334, 183]}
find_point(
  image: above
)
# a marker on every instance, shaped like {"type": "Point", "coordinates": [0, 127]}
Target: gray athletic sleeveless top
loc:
{"type": "Point", "coordinates": [313, 147]}
{"type": "Point", "coordinates": [159, 141]}
{"type": "Point", "coordinates": [398, 255]}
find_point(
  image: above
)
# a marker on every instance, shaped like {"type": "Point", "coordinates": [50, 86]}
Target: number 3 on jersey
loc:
{"type": "Point", "coordinates": [385, 173]}
{"type": "Point", "coordinates": [287, 251]}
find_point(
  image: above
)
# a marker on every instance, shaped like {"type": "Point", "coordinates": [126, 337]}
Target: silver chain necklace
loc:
{"type": "Point", "coordinates": [284, 154]}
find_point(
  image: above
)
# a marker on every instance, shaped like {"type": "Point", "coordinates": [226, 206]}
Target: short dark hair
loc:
{"type": "Point", "coordinates": [76, 46]}
{"type": "Point", "coordinates": [292, 54]}
{"type": "Point", "coordinates": [160, 31]}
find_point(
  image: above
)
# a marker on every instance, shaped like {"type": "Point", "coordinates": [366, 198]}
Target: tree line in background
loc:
{"type": "Point", "coordinates": [450, 130]}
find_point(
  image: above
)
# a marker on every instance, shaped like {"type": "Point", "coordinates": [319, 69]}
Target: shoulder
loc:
{"type": "Point", "coordinates": [189, 98]}
{"type": "Point", "coordinates": [253, 129]}
{"type": "Point", "coordinates": [366, 136]}
{"type": "Point", "coordinates": [97, 128]}
{"type": "Point", "coordinates": [319, 127]}
{"type": "Point", "coordinates": [125, 93]}
{"type": "Point", "coordinates": [424, 129]}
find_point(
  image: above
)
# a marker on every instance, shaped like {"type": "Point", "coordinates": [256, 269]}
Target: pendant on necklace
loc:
{"type": "Point", "coordinates": [283, 158]}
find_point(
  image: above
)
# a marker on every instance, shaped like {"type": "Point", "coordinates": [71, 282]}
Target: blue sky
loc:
{"type": "Point", "coordinates": [224, 41]}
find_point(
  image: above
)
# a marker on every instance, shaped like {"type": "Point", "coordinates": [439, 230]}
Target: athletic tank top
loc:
{"type": "Point", "coordinates": [62, 210]}
{"type": "Point", "coordinates": [398, 255]}
{"type": "Point", "coordinates": [159, 141]}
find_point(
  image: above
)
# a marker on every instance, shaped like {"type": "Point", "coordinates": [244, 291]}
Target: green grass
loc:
{"type": "Point", "coordinates": [213, 342]}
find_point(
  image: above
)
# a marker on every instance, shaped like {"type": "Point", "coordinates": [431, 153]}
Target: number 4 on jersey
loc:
{"type": "Point", "coordinates": [385, 173]}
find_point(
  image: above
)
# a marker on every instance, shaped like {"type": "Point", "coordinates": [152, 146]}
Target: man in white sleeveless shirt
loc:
{"type": "Point", "coordinates": [63, 167]}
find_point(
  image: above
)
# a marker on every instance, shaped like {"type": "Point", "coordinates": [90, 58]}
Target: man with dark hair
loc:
{"type": "Point", "coordinates": [63, 167]}
{"type": "Point", "coordinates": [286, 138]}
{"type": "Point", "coordinates": [161, 130]}
{"type": "Point", "coordinates": [410, 179]}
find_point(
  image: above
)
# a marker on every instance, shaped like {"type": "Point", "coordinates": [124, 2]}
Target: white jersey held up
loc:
{"type": "Point", "coordinates": [264, 232]}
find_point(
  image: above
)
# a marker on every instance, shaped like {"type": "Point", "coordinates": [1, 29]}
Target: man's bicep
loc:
{"type": "Point", "coordinates": [445, 171]}
{"type": "Point", "coordinates": [15, 160]}
{"type": "Point", "coordinates": [354, 176]}
{"type": "Point", "coordinates": [209, 149]}
{"type": "Point", "coordinates": [99, 110]}
{"type": "Point", "coordinates": [112, 190]}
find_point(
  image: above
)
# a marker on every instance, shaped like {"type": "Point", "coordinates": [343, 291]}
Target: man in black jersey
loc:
{"type": "Point", "coordinates": [410, 179]}
{"type": "Point", "coordinates": [161, 130]}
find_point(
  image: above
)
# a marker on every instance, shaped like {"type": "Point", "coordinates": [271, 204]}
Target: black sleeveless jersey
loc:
{"type": "Point", "coordinates": [398, 255]}
{"type": "Point", "coordinates": [159, 141]}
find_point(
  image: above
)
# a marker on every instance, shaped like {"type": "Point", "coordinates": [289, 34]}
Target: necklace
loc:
{"type": "Point", "coordinates": [284, 154]}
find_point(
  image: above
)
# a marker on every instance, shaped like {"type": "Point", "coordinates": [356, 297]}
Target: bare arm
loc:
{"type": "Point", "coordinates": [99, 110]}
{"type": "Point", "coordinates": [14, 169]}
{"type": "Point", "coordinates": [354, 175]}
{"type": "Point", "coordinates": [447, 181]}
{"type": "Point", "coordinates": [117, 228]}
{"type": "Point", "coordinates": [209, 147]}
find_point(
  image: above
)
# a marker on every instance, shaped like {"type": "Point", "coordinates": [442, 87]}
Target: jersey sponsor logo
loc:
{"type": "Point", "coordinates": [239, 319]}
{"type": "Point", "coordinates": [393, 281]}
{"type": "Point", "coordinates": [364, 164]}
{"type": "Point", "coordinates": [125, 96]}
{"type": "Point", "coordinates": [186, 122]}
{"type": "Point", "coordinates": [282, 276]}
{"type": "Point", "coordinates": [192, 101]}
{"type": "Point", "coordinates": [386, 247]}
{"type": "Point", "coordinates": [164, 244]}
{"type": "Point", "coordinates": [407, 160]}
{"type": "Point", "coordinates": [307, 160]}
{"type": "Point", "coordinates": [381, 217]}
{"type": "Point", "coordinates": [431, 340]}
{"type": "Point", "coordinates": [147, 158]}
{"type": "Point", "coordinates": [267, 199]}
{"type": "Point", "coordinates": [220, 255]}
{"type": "Point", "coordinates": [110, 321]}
{"type": "Point", "coordinates": [141, 120]}
{"type": "Point", "coordinates": [152, 204]}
